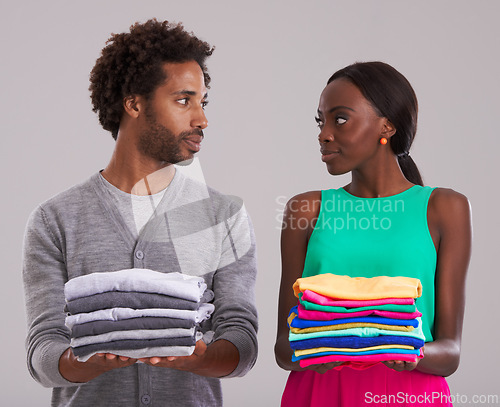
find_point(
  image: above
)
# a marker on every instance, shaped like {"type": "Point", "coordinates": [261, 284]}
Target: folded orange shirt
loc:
{"type": "Point", "coordinates": [359, 288]}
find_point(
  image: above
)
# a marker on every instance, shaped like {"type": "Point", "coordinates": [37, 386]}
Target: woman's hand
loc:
{"type": "Point", "coordinates": [324, 367]}
{"type": "Point", "coordinates": [400, 365]}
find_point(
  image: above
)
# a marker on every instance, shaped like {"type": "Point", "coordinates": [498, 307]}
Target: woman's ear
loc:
{"type": "Point", "coordinates": [388, 129]}
{"type": "Point", "coordinates": [132, 105]}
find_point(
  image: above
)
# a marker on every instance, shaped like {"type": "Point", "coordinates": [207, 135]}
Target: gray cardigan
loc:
{"type": "Point", "coordinates": [194, 230]}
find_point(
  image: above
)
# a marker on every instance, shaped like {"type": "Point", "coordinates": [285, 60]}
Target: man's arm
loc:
{"type": "Point", "coordinates": [234, 321]}
{"type": "Point", "coordinates": [50, 361]}
{"type": "Point", "coordinates": [44, 275]}
{"type": "Point", "coordinates": [235, 316]}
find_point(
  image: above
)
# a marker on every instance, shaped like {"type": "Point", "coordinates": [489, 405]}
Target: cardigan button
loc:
{"type": "Point", "coordinates": [146, 399]}
{"type": "Point", "coordinates": [139, 254]}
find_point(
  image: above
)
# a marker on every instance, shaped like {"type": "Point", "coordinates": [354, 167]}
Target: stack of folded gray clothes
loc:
{"type": "Point", "coordinates": [137, 313]}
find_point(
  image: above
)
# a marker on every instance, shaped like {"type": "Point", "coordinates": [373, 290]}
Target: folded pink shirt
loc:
{"type": "Point", "coordinates": [359, 362]}
{"type": "Point", "coordinates": [321, 299]}
{"type": "Point", "coordinates": [325, 316]}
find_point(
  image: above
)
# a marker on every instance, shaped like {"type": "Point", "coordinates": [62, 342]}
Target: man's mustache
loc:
{"type": "Point", "coordinates": [197, 132]}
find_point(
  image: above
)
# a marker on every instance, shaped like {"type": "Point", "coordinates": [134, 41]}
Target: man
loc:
{"type": "Point", "coordinates": [149, 88]}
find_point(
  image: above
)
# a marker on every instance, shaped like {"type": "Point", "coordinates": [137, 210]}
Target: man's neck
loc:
{"type": "Point", "coordinates": [137, 175]}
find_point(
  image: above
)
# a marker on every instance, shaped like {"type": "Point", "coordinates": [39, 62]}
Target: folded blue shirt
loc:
{"type": "Point", "coordinates": [308, 323]}
{"type": "Point", "coordinates": [356, 342]}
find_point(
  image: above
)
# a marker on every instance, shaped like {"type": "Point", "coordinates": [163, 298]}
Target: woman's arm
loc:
{"type": "Point", "coordinates": [449, 220]}
{"type": "Point", "coordinates": [299, 218]}
{"type": "Point", "coordinates": [300, 210]}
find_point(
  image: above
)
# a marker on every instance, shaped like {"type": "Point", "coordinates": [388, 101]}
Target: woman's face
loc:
{"type": "Point", "coordinates": [350, 128]}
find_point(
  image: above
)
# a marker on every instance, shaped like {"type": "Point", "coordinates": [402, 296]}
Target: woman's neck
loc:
{"type": "Point", "coordinates": [384, 179]}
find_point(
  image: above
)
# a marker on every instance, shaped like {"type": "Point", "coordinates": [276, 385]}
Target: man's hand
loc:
{"type": "Point", "coordinates": [218, 359]}
{"type": "Point", "coordinates": [81, 372]}
{"type": "Point", "coordinates": [187, 363]}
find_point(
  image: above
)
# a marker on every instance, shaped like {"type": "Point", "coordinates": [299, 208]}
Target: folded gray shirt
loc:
{"type": "Point", "coordinates": [101, 327]}
{"type": "Point", "coordinates": [140, 334]}
{"type": "Point", "coordinates": [136, 279]}
{"type": "Point", "coordinates": [120, 299]}
{"type": "Point", "coordinates": [115, 314]}
{"type": "Point", "coordinates": [117, 346]}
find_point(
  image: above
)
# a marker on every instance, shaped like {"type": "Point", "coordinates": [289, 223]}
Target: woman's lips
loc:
{"type": "Point", "coordinates": [328, 155]}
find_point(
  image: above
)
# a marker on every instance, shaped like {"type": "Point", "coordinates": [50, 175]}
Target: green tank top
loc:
{"type": "Point", "coordinates": [368, 237]}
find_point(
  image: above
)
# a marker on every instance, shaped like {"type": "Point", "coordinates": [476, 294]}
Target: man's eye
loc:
{"type": "Point", "coordinates": [319, 122]}
{"type": "Point", "coordinates": [340, 120]}
{"type": "Point", "coordinates": [204, 104]}
{"type": "Point", "coordinates": [183, 101]}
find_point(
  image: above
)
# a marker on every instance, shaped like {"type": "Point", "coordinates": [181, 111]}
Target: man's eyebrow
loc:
{"type": "Point", "coordinates": [189, 93]}
{"type": "Point", "coordinates": [336, 108]}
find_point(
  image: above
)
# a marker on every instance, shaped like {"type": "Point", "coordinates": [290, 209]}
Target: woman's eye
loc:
{"type": "Point", "coordinates": [182, 101]}
{"type": "Point", "coordinates": [340, 120]}
{"type": "Point", "coordinates": [204, 104]}
{"type": "Point", "coordinates": [319, 122]}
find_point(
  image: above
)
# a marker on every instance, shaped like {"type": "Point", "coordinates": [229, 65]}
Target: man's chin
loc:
{"type": "Point", "coordinates": [186, 162]}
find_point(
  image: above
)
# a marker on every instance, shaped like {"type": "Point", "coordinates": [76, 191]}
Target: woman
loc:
{"type": "Point", "coordinates": [382, 223]}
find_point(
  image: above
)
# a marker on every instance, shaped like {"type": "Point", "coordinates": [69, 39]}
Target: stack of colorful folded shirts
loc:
{"type": "Point", "coordinates": [355, 320]}
{"type": "Point", "coordinates": [137, 313]}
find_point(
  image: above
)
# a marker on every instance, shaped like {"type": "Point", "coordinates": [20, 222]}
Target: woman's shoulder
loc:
{"type": "Point", "coordinates": [446, 197]}
{"type": "Point", "coordinates": [448, 205]}
{"type": "Point", "coordinates": [304, 204]}
{"type": "Point", "coordinates": [306, 196]}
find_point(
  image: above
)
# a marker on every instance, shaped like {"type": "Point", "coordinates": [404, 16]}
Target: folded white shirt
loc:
{"type": "Point", "coordinates": [135, 334]}
{"type": "Point", "coordinates": [140, 280]}
{"type": "Point", "coordinates": [116, 314]}
{"type": "Point", "coordinates": [159, 351]}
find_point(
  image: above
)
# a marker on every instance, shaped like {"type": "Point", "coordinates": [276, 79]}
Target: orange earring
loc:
{"type": "Point", "coordinates": [383, 141]}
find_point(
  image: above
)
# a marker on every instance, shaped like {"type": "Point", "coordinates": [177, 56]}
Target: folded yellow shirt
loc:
{"type": "Point", "coordinates": [359, 288]}
{"type": "Point", "coordinates": [351, 325]}
{"type": "Point", "coordinates": [302, 352]}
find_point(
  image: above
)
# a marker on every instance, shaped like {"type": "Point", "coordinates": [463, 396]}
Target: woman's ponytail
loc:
{"type": "Point", "coordinates": [409, 169]}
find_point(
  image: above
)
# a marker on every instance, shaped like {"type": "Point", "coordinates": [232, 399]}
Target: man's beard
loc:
{"type": "Point", "coordinates": [161, 143]}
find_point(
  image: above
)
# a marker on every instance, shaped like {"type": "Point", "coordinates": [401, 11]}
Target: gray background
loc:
{"type": "Point", "coordinates": [271, 63]}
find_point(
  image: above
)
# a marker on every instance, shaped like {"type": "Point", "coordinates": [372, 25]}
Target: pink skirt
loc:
{"type": "Point", "coordinates": [375, 386]}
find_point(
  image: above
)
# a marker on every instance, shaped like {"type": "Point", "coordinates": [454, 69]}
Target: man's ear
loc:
{"type": "Point", "coordinates": [388, 129]}
{"type": "Point", "coordinates": [132, 105]}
